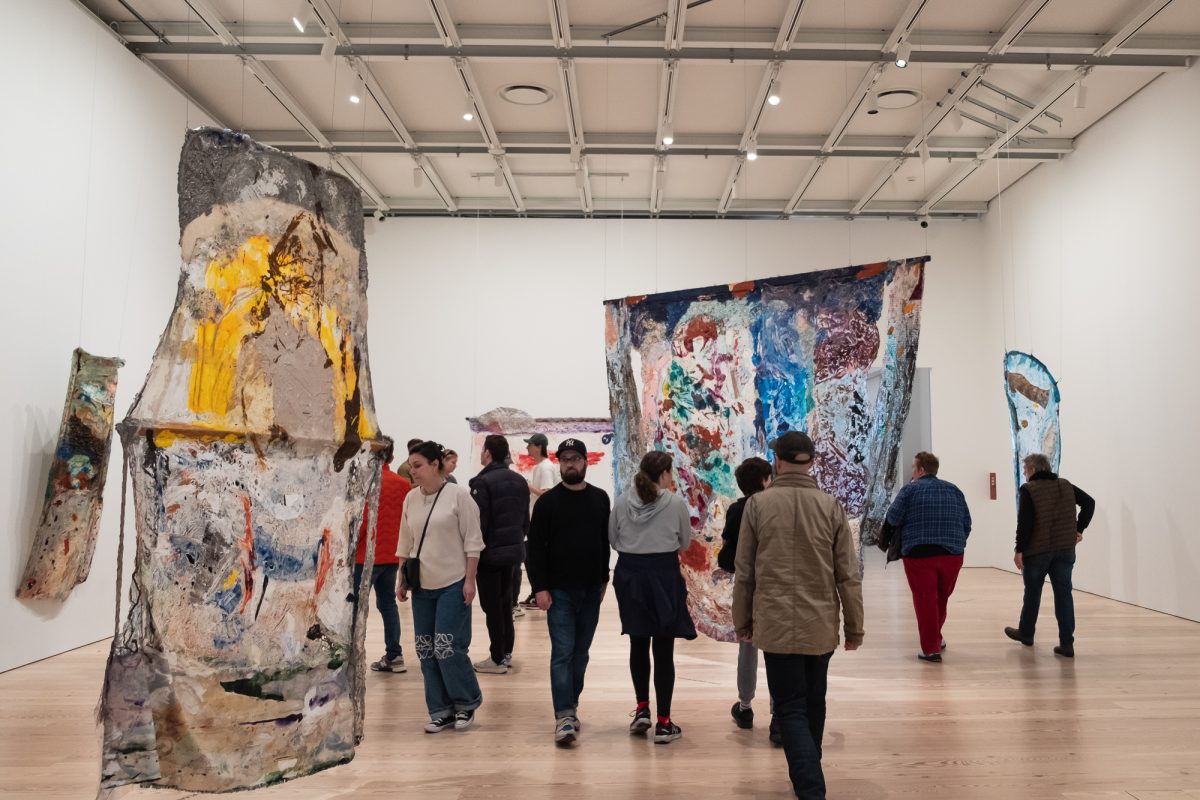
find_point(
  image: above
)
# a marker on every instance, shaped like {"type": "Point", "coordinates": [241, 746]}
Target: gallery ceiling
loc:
{"type": "Point", "coordinates": [662, 107]}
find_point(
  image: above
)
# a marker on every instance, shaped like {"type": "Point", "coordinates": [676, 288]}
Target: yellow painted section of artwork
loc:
{"type": "Point", "coordinates": [243, 286]}
{"type": "Point", "coordinates": [166, 438]}
{"type": "Point", "coordinates": [233, 576]}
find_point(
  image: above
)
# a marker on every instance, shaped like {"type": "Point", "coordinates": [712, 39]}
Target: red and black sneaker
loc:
{"type": "Point", "coordinates": [641, 719]}
{"type": "Point", "coordinates": [666, 732]}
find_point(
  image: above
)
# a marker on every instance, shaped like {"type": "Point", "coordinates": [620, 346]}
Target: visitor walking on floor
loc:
{"type": "Point", "coordinates": [752, 476]}
{"type": "Point", "coordinates": [403, 470]}
{"type": "Point", "coordinates": [541, 480]}
{"type": "Point", "coordinates": [649, 526]}
{"type": "Point", "coordinates": [503, 499]}
{"type": "Point", "coordinates": [796, 569]}
{"type": "Point", "coordinates": [392, 491]}
{"type": "Point", "coordinates": [1047, 532]}
{"type": "Point", "coordinates": [451, 465]}
{"type": "Point", "coordinates": [931, 518]}
{"type": "Point", "coordinates": [439, 533]}
{"type": "Point", "coordinates": [568, 570]}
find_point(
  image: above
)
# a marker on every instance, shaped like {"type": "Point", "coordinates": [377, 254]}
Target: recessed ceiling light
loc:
{"type": "Point", "coordinates": [526, 94]}
{"type": "Point", "coordinates": [892, 99]}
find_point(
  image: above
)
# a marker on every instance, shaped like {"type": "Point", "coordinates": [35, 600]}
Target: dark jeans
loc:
{"type": "Point", "coordinates": [442, 630]}
{"type": "Point", "coordinates": [797, 684]}
{"type": "Point", "coordinates": [516, 595]}
{"type": "Point", "coordinates": [494, 585]}
{"type": "Point", "coordinates": [1058, 565]}
{"type": "Point", "coordinates": [572, 620]}
{"type": "Point", "coordinates": [664, 670]}
{"type": "Point", "coordinates": [383, 581]}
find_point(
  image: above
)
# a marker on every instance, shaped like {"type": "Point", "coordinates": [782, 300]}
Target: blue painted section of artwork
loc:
{"type": "Point", "coordinates": [1033, 401]}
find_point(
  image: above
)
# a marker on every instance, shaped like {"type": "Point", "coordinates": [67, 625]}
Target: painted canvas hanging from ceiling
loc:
{"type": "Point", "coordinates": [516, 426]}
{"type": "Point", "coordinates": [712, 375]}
{"type": "Point", "coordinates": [1033, 399]}
{"type": "Point", "coordinates": [252, 448]}
{"type": "Point", "coordinates": [61, 557]}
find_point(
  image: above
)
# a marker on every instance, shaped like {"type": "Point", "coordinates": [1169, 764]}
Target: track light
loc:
{"type": "Point", "coordinates": [579, 179]}
{"type": "Point", "coordinates": [418, 177]}
{"type": "Point", "coordinates": [1080, 99]}
{"type": "Point", "coordinates": [329, 49]}
{"type": "Point", "coordinates": [469, 112]}
{"type": "Point", "coordinates": [668, 138]}
{"type": "Point", "coordinates": [956, 120]}
{"type": "Point", "coordinates": [356, 90]}
{"type": "Point", "coordinates": [298, 23]}
{"type": "Point", "coordinates": [498, 178]}
{"type": "Point", "coordinates": [872, 103]}
{"type": "Point", "coordinates": [752, 150]}
{"type": "Point", "coordinates": [903, 55]}
{"type": "Point", "coordinates": [774, 96]}
{"type": "Point", "coordinates": [300, 18]}
{"type": "Point", "coordinates": [923, 149]}
{"type": "Point", "coordinates": [379, 215]}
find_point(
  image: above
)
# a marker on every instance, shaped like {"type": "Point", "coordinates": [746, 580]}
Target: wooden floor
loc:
{"type": "Point", "coordinates": [994, 720]}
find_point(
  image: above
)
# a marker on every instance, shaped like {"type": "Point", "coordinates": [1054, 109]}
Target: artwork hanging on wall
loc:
{"type": "Point", "coordinates": [1033, 401]}
{"type": "Point", "coordinates": [252, 449]}
{"type": "Point", "coordinates": [515, 425]}
{"type": "Point", "coordinates": [712, 375]}
{"type": "Point", "coordinates": [65, 539]}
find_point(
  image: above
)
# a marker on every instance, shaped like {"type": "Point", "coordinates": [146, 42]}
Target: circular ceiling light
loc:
{"type": "Point", "coordinates": [526, 94]}
{"type": "Point", "coordinates": [892, 99]}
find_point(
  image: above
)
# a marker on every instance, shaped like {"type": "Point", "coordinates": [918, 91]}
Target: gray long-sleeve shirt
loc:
{"type": "Point", "coordinates": [664, 526]}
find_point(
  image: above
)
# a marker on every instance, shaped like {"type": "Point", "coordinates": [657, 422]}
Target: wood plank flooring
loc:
{"type": "Point", "coordinates": [994, 720]}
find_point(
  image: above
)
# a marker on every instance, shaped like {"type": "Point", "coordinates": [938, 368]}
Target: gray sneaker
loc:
{"type": "Point", "coordinates": [386, 664]}
{"type": "Point", "coordinates": [564, 731]}
{"type": "Point", "coordinates": [490, 667]}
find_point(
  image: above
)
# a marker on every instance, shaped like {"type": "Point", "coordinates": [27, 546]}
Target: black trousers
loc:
{"type": "Point", "coordinates": [664, 670]}
{"type": "Point", "coordinates": [798, 684]}
{"type": "Point", "coordinates": [495, 588]}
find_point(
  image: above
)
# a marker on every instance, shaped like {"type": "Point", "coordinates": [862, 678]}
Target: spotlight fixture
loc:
{"type": "Point", "coordinates": [498, 179]}
{"type": "Point", "coordinates": [355, 98]}
{"type": "Point", "coordinates": [924, 221]}
{"type": "Point", "coordinates": [356, 91]}
{"type": "Point", "coordinates": [379, 215]}
{"type": "Point", "coordinates": [752, 150]}
{"type": "Point", "coordinates": [1080, 99]}
{"type": "Point", "coordinates": [923, 149]}
{"type": "Point", "coordinates": [903, 55]}
{"type": "Point", "coordinates": [329, 49]}
{"type": "Point", "coordinates": [298, 23]}
{"type": "Point", "coordinates": [774, 96]}
{"type": "Point", "coordinates": [301, 17]}
{"type": "Point", "coordinates": [956, 120]}
{"type": "Point", "coordinates": [668, 137]}
{"type": "Point", "coordinates": [469, 111]}
{"type": "Point", "coordinates": [418, 177]}
{"type": "Point", "coordinates": [872, 103]}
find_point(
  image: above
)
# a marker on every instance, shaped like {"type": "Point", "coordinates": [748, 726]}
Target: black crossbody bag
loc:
{"type": "Point", "coordinates": [410, 572]}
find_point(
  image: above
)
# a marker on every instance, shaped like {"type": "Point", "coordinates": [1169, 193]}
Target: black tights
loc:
{"type": "Point", "coordinates": [664, 670]}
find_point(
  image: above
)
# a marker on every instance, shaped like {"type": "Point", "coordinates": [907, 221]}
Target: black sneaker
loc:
{"type": "Point", "coordinates": [666, 732]}
{"type": "Point", "coordinates": [1016, 635]}
{"type": "Point", "coordinates": [775, 735]}
{"type": "Point", "coordinates": [641, 720]}
{"type": "Point", "coordinates": [744, 717]}
{"type": "Point", "coordinates": [1065, 650]}
{"type": "Point", "coordinates": [936, 658]}
{"type": "Point", "coordinates": [464, 720]}
{"type": "Point", "coordinates": [439, 724]}
{"type": "Point", "coordinates": [529, 602]}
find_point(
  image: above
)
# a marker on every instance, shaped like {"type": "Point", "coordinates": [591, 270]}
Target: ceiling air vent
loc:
{"type": "Point", "coordinates": [526, 94]}
{"type": "Point", "coordinates": [892, 99]}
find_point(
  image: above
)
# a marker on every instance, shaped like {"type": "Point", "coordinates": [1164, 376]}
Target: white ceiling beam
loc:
{"type": "Point", "coordinates": [790, 28]}
{"type": "Point", "coordinates": [765, 208]}
{"type": "Point", "coordinates": [735, 172]}
{"type": "Point", "coordinates": [668, 81]}
{"type": "Point", "coordinates": [571, 101]}
{"type": "Point", "coordinates": [444, 24]}
{"type": "Point", "coordinates": [1016, 25]}
{"type": "Point", "coordinates": [809, 176]}
{"type": "Point", "coordinates": [205, 11]}
{"type": "Point", "coordinates": [676, 16]}
{"type": "Point", "coordinates": [907, 20]}
{"type": "Point", "coordinates": [1141, 16]}
{"type": "Point", "coordinates": [355, 173]}
{"type": "Point", "coordinates": [560, 25]}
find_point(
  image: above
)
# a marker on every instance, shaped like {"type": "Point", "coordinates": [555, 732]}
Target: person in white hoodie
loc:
{"type": "Point", "coordinates": [649, 526]}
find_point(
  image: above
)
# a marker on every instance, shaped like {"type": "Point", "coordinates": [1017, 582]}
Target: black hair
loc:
{"type": "Point", "coordinates": [430, 451]}
{"type": "Point", "coordinates": [497, 446]}
{"type": "Point", "coordinates": [413, 443]}
{"type": "Point", "coordinates": [388, 452]}
{"type": "Point", "coordinates": [652, 466]}
{"type": "Point", "coordinates": [751, 474]}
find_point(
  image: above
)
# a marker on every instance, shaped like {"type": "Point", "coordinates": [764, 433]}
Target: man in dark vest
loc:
{"type": "Point", "coordinates": [1047, 532]}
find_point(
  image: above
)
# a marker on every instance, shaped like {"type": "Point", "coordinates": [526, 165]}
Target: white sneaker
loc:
{"type": "Point", "coordinates": [438, 725]}
{"type": "Point", "coordinates": [518, 612]}
{"type": "Point", "coordinates": [564, 731]}
{"type": "Point", "coordinates": [464, 720]}
{"type": "Point", "coordinates": [490, 667]}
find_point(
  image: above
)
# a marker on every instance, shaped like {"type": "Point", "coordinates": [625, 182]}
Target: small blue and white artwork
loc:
{"type": "Point", "coordinates": [1033, 400]}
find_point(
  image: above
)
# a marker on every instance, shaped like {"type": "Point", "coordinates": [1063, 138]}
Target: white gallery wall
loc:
{"type": "Point", "coordinates": [1094, 267]}
{"type": "Point", "coordinates": [89, 222]}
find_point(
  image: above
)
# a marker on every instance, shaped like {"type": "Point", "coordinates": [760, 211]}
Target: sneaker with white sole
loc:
{"type": "Point", "coordinates": [438, 724]}
{"type": "Point", "coordinates": [564, 731]}
{"type": "Point", "coordinates": [386, 664]}
{"type": "Point", "coordinates": [518, 612]}
{"type": "Point", "coordinates": [490, 667]}
{"type": "Point", "coordinates": [666, 732]}
{"type": "Point", "coordinates": [464, 720]}
{"type": "Point", "coordinates": [641, 720]}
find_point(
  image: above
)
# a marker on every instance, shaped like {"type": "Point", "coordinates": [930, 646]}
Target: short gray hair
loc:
{"type": "Point", "coordinates": [1038, 462]}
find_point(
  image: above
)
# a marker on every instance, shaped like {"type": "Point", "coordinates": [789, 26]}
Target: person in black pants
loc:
{"type": "Point", "coordinates": [649, 526]}
{"type": "Point", "coordinates": [503, 498]}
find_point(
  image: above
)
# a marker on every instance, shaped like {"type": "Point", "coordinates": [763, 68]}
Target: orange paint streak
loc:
{"type": "Point", "coordinates": [634, 299]}
{"type": "Point", "coordinates": [871, 270]}
{"type": "Point", "coordinates": [696, 557]}
{"type": "Point", "coordinates": [66, 546]}
{"type": "Point", "coordinates": [247, 559]}
{"type": "Point", "coordinates": [324, 561]}
{"type": "Point", "coordinates": [741, 289]}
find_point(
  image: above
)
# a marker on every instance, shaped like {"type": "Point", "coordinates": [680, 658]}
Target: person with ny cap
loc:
{"type": "Point", "coordinates": [567, 563]}
{"type": "Point", "coordinates": [797, 571]}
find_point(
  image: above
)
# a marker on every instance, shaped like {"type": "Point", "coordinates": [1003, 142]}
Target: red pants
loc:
{"type": "Point", "coordinates": [932, 582]}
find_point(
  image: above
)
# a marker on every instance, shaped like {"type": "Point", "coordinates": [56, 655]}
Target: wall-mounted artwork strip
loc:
{"type": "Point", "coordinates": [1033, 400]}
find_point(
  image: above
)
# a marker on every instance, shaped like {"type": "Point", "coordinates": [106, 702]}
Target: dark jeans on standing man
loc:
{"type": "Point", "coordinates": [797, 684]}
{"type": "Point", "coordinates": [1058, 565]}
{"type": "Point", "coordinates": [516, 593]}
{"type": "Point", "coordinates": [494, 585]}
{"type": "Point", "coordinates": [572, 620]}
{"type": "Point", "coordinates": [383, 581]}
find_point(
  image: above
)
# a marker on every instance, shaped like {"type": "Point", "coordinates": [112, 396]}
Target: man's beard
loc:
{"type": "Point", "coordinates": [575, 478]}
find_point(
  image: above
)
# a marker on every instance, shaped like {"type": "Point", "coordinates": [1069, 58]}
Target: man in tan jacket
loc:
{"type": "Point", "coordinates": [796, 567]}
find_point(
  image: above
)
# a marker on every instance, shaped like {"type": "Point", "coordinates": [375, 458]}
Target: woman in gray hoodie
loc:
{"type": "Point", "coordinates": [649, 526]}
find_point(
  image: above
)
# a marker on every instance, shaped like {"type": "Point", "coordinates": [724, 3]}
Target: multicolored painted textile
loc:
{"type": "Point", "coordinates": [1033, 400]}
{"type": "Point", "coordinates": [712, 375]}
{"type": "Point", "coordinates": [252, 448]}
{"type": "Point", "coordinates": [61, 557]}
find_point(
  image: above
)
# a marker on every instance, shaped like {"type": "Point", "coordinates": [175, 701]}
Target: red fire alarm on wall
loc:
{"type": "Point", "coordinates": [992, 484]}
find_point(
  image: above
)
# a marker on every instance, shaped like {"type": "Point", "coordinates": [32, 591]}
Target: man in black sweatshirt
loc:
{"type": "Point", "coordinates": [567, 565]}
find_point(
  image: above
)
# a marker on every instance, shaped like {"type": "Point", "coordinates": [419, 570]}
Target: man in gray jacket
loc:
{"type": "Point", "coordinates": [796, 569]}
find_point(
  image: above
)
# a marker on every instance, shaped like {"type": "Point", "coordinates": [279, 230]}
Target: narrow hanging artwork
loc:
{"type": "Point", "coordinates": [1033, 400]}
{"type": "Point", "coordinates": [252, 449]}
{"type": "Point", "coordinates": [516, 426]}
{"type": "Point", "coordinates": [712, 375]}
{"type": "Point", "coordinates": [65, 540]}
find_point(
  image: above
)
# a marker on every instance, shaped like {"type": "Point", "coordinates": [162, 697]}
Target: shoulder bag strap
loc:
{"type": "Point", "coordinates": [421, 544]}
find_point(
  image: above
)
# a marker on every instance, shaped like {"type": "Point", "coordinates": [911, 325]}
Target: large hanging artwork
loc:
{"type": "Point", "coordinates": [65, 540]}
{"type": "Point", "coordinates": [252, 448]}
{"type": "Point", "coordinates": [712, 375]}
{"type": "Point", "coordinates": [596, 433]}
{"type": "Point", "coordinates": [1033, 400]}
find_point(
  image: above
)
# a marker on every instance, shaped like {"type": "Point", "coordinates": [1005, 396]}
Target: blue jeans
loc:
{"type": "Point", "coordinates": [442, 630]}
{"type": "Point", "coordinates": [1058, 565]}
{"type": "Point", "coordinates": [798, 684]}
{"type": "Point", "coordinates": [383, 581]}
{"type": "Point", "coordinates": [572, 620]}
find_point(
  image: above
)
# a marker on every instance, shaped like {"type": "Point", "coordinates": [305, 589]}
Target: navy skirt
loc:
{"type": "Point", "coordinates": [651, 596]}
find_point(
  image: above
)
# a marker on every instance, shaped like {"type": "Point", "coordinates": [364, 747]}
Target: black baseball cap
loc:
{"type": "Point", "coordinates": [539, 439]}
{"type": "Point", "coordinates": [794, 447]}
{"type": "Point", "coordinates": [573, 445]}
